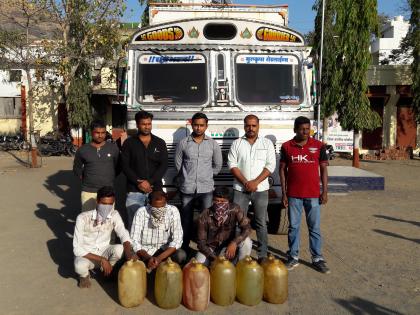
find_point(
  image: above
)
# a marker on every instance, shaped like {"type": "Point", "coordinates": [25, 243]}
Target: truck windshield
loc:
{"type": "Point", "coordinates": [175, 79]}
{"type": "Point", "coordinates": [268, 79]}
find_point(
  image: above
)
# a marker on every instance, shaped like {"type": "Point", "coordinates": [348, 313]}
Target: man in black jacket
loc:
{"type": "Point", "coordinates": [144, 161]}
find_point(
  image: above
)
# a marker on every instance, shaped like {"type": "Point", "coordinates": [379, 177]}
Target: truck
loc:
{"type": "Point", "coordinates": [227, 61]}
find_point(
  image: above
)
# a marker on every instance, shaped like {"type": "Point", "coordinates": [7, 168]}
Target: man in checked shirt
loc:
{"type": "Point", "coordinates": [156, 232]}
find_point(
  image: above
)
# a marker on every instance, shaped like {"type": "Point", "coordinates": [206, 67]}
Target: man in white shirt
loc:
{"type": "Point", "coordinates": [251, 160]}
{"type": "Point", "coordinates": [92, 236]}
{"type": "Point", "coordinates": [157, 232]}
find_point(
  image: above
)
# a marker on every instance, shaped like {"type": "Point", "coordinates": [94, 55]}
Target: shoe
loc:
{"type": "Point", "coordinates": [291, 263]}
{"type": "Point", "coordinates": [321, 266]}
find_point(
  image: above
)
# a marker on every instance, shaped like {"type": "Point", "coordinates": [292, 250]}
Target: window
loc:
{"type": "Point", "coordinates": [268, 79]}
{"type": "Point", "coordinates": [15, 75]}
{"type": "Point", "coordinates": [220, 67]}
{"type": "Point", "coordinates": [10, 107]}
{"type": "Point", "coordinates": [219, 31]}
{"type": "Point", "coordinates": [172, 79]}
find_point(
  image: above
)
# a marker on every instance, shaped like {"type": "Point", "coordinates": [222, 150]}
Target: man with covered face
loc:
{"type": "Point", "coordinates": [92, 236]}
{"type": "Point", "coordinates": [157, 232]}
{"type": "Point", "coordinates": [217, 230]}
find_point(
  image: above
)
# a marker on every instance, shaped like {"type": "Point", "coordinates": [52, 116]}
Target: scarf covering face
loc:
{"type": "Point", "coordinates": [221, 212]}
{"type": "Point", "coordinates": [158, 215]}
{"type": "Point", "coordinates": [103, 212]}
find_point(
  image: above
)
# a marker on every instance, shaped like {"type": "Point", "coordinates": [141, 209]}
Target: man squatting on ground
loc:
{"type": "Point", "coordinates": [197, 159]}
{"type": "Point", "coordinates": [96, 164]}
{"type": "Point", "coordinates": [251, 160]}
{"type": "Point", "coordinates": [217, 230]}
{"type": "Point", "coordinates": [92, 236]}
{"type": "Point", "coordinates": [144, 160]}
{"type": "Point", "coordinates": [157, 233]}
{"type": "Point", "coordinates": [302, 158]}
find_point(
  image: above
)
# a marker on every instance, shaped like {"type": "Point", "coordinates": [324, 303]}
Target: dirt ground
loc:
{"type": "Point", "coordinates": [372, 245]}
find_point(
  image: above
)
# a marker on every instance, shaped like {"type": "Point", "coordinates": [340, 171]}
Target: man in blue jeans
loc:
{"type": "Point", "coordinates": [144, 161]}
{"type": "Point", "coordinates": [197, 159]}
{"type": "Point", "coordinates": [302, 160]}
{"type": "Point", "coordinates": [251, 160]}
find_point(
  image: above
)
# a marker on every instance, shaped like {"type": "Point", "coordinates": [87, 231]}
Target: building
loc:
{"type": "Point", "coordinates": [50, 112]}
{"type": "Point", "coordinates": [390, 38]}
{"type": "Point", "coordinates": [10, 102]}
{"type": "Point", "coordinates": [389, 92]}
{"type": "Point", "coordinates": [47, 108]}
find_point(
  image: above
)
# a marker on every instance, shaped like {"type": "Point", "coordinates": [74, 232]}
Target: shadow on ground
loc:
{"type": "Point", "coordinates": [19, 159]}
{"type": "Point", "coordinates": [396, 219]}
{"type": "Point", "coordinates": [65, 186]}
{"type": "Point", "coordinates": [359, 306]}
{"type": "Point", "coordinates": [391, 234]}
{"type": "Point", "coordinates": [61, 221]}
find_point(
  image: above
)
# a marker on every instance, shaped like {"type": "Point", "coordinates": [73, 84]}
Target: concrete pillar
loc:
{"type": "Point", "coordinates": [390, 117]}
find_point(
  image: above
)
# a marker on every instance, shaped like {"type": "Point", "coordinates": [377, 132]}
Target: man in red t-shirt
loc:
{"type": "Point", "coordinates": [302, 160]}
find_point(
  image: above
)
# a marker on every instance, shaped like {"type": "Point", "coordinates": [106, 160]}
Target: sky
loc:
{"type": "Point", "coordinates": [301, 16]}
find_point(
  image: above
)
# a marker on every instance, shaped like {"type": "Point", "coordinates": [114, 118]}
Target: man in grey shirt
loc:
{"type": "Point", "coordinates": [96, 164]}
{"type": "Point", "coordinates": [197, 159]}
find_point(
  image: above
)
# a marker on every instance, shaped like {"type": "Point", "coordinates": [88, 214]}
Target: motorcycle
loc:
{"type": "Point", "coordinates": [330, 152]}
{"type": "Point", "coordinates": [16, 142]}
{"type": "Point", "coordinates": [62, 145]}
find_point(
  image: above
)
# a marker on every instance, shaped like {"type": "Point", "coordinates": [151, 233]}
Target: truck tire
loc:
{"type": "Point", "coordinates": [278, 220]}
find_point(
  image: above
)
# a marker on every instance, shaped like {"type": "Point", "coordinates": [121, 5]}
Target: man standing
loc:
{"type": "Point", "coordinates": [302, 158]}
{"type": "Point", "coordinates": [217, 230]}
{"type": "Point", "coordinates": [251, 160]}
{"type": "Point", "coordinates": [157, 233]}
{"type": "Point", "coordinates": [197, 159]}
{"type": "Point", "coordinates": [96, 165]}
{"type": "Point", "coordinates": [92, 236]}
{"type": "Point", "coordinates": [144, 161]}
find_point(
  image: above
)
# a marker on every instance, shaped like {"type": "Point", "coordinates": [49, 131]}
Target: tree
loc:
{"type": "Point", "coordinates": [22, 45]}
{"type": "Point", "coordinates": [76, 32]}
{"type": "Point", "coordinates": [413, 38]}
{"type": "Point", "coordinates": [349, 26]}
{"type": "Point", "coordinates": [382, 20]}
{"type": "Point", "coordinates": [78, 98]}
{"type": "Point", "coordinates": [356, 22]}
{"type": "Point", "coordinates": [145, 16]}
{"type": "Point", "coordinates": [88, 29]}
{"type": "Point", "coordinates": [410, 48]}
{"type": "Point", "coordinates": [309, 38]}
{"type": "Point", "coordinates": [330, 83]}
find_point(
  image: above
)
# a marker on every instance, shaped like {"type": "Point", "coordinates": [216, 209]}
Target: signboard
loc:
{"type": "Point", "coordinates": [267, 59]}
{"type": "Point", "coordinates": [192, 31]}
{"type": "Point", "coordinates": [268, 34]}
{"type": "Point", "coordinates": [341, 140]}
{"type": "Point", "coordinates": [172, 59]}
{"type": "Point", "coordinates": [173, 33]}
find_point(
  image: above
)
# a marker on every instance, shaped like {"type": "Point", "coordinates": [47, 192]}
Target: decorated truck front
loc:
{"type": "Point", "coordinates": [227, 68]}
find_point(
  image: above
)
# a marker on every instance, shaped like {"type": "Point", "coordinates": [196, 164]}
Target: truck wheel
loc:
{"type": "Point", "coordinates": [278, 221]}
